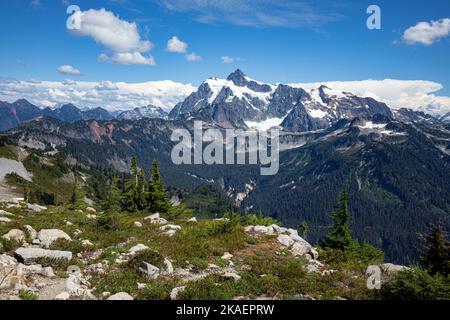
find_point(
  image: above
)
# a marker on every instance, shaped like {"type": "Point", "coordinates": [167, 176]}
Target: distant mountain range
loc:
{"type": "Point", "coordinates": [395, 163]}
{"type": "Point", "coordinates": [237, 101]}
{"type": "Point", "coordinates": [12, 114]}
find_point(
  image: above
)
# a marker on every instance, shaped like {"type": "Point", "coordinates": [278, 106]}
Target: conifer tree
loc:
{"type": "Point", "coordinates": [132, 194]}
{"type": "Point", "coordinates": [157, 196]}
{"type": "Point", "coordinates": [112, 203]}
{"type": "Point", "coordinates": [340, 236]}
{"type": "Point", "coordinates": [436, 253]}
{"type": "Point", "coordinates": [142, 191]}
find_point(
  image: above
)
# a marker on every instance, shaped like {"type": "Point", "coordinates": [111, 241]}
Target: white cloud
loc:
{"type": "Point", "coordinates": [119, 36]}
{"type": "Point", "coordinates": [128, 58]}
{"type": "Point", "coordinates": [427, 33]}
{"type": "Point", "coordinates": [70, 70]}
{"type": "Point", "coordinates": [227, 59]}
{"type": "Point", "coordinates": [176, 45]}
{"type": "Point", "coordinates": [415, 94]}
{"type": "Point", "coordinates": [112, 32]}
{"type": "Point", "coordinates": [193, 57]}
{"type": "Point", "coordinates": [107, 94]}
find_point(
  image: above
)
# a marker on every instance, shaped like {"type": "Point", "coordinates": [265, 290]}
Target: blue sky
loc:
{"type": "Point", "coordinates": [273, 41]}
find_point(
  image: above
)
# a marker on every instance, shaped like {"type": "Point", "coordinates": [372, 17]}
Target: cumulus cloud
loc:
{"type": "Point", "coordinates": [107, 94]}
{"type": "Point", "coordinates": [176, 45]}
{"type": "Point", "coordinates": [427, 33]}
{"type": "Point", "coordinates": [192, 57]}
{"type": "Point", "coordinates": [68, 69]}
{"type": "Point", "coordinates": [119, 36]}
{"type": "Point", "coordinates": [415, 94]}
{"type": "Point", "coordinates": [128, 58]}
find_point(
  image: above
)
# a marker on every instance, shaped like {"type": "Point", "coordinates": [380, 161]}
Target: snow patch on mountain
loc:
{"type": "Point", "coordinates": [265, 124]}
{"type": "Point", "coordinates": [216, 85]}
{"type": "Point", "coordinates": [316, 113]}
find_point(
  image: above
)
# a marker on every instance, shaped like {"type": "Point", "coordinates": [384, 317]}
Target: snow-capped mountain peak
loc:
{"type": "Point", "coordinates": [240, 101]}
{"type": "Point", "coordinates": [149, 111]}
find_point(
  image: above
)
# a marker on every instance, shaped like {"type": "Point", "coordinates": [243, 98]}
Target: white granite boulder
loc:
{"type": "Point", "coordinates": [48, 236]}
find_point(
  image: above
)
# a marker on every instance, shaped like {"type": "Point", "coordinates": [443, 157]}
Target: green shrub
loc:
{"type": "Point", "coordinates": [355, 257]}
{"type": "Point", "coordinates": [8, 245]}
{"type": "Point", "coordinates": [225, 226]}
{"type": "Point", "coordinates": [28, 295]}
{"type": "Point", "coordinates": [416, 284]}
{"type": "Point", "coordinates": [109, 222]}
{"type": "Point", "coordinates": [74, 246]}
{"type": "Point", "coordinates": [156, 290]}
{"type": "Point", "coordinates": [148, 256]}
{"type": "Point", "coordinates": [253, 219]}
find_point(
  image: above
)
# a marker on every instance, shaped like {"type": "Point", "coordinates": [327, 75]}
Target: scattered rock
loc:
{"type": "Point", "coordinates": [48, 236]}
{"type": "Point", "coordinates": [155, 219]}
{"type": "Point", "coordinates": [169, 266]}
{"type": "Point", "coordinates": [231, 275]}
{"type": "Point", "coordinates": [227, 256]}
{"type": "Point", "coordinates": [121, 296]}
{"type": "Point", "coordinates": [86, 243]}
{"type": "Point", "coordinates": [170, 229]}
{"type": "Point", "coordinates": [91, 216]}
{"type": "Point", "coordinates": [7, 261]}
{"type": "Point", "coordinates": [63, 296]}
{"type": "Point", "coordinates": [36, 207]}
{"type": "Point", "coordinates": [249, 229]}
{"type": "Point", "coordinates": [32, 234]}
{"type": "Point", "coordinates": [69, 224]}
{"type": "Point", "coordinates": [260, 229]}
{"type": "Point", "coordinates": [389, 268]}
{"type": "Point", "coordinates": [285, 240]}
{"type": "Point", "coordinates": [5, 220]}
{"type": "Point", "coordinates": [141, 286]}
{"type": "Point", "coordinates": [4, 213]}
{"type": "Point", "coordinates": [149, 270]}
{"type": "Point", "coordinates": [90, 209]}
{"type": "Point", "coordinates": [30, 255]}
{"type": "Point", "coordinates": [138, 224]}
{"type": "Point", "coordinates": [175, 291]}
{"type": "Point", "coordinates": [137, 248]}
{"type": "Point", "coordinates": [15, 235]}
{"type": "Point", "coordinates": [300, 249]}
{"type": "Point", "coordinates": [193, 219]}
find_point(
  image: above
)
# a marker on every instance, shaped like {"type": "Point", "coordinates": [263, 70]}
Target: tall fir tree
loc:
{"type": "Point", "coordinates": [132, 186]}
{"type": "Point", "coordinates": [436, 253]}
{"type": "Point", "coordinates": [157, 196]}
{"type": "Point", "coordinates": [340, 236]}
{"type": "Point", "coordinates": [142, 191]}
{"type": "Point", "coordinates": [112, 203]}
